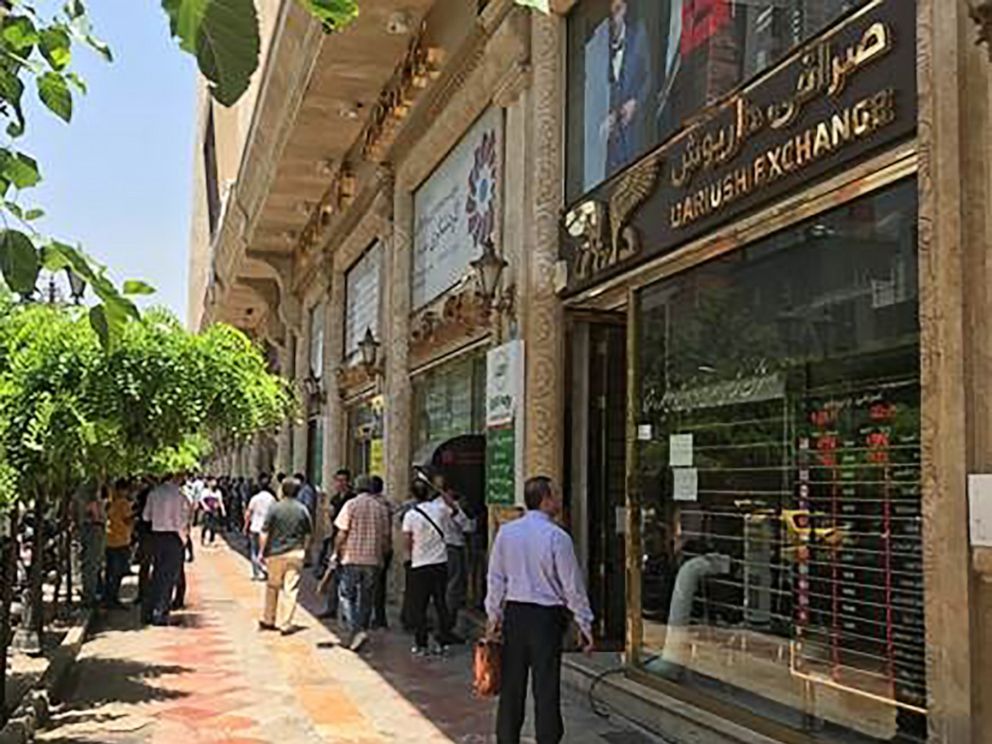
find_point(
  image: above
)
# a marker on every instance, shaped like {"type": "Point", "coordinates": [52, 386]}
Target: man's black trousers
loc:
{"type": "Point", "coordinates": [427, 583]}
{"type": "Point", "coordinates": [532, 636]}
{"type": "Point", "coordinates": [167, 563]}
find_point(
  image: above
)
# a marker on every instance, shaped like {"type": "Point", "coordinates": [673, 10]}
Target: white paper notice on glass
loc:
{"type": "Point", "coordinates": [686, 484]}
{"type": "Point", "coordinates": [680, 450]}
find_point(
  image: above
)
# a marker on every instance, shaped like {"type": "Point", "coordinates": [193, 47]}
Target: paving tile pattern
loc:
{"type": "Point", "coordinates": [215, 678]}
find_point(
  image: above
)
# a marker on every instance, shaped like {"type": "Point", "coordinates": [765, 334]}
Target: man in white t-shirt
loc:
{"type": "Point", "coordinates": [255, 515]}
{"type": "Point", "coordinates": [428, 566]}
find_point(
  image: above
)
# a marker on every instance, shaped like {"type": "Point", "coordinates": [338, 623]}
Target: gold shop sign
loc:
{"type": "Point", "coordinates": [841, 97]}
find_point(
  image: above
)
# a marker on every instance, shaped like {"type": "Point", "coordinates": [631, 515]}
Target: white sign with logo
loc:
{"type": "Point", "coordinates": [456, 210]}
{"type": "Point", "coordinates": [504, 379]}
{"type": "Point", "coordinates": [362, 299]}
{"type": "Point", "coordinates": [504, 424]}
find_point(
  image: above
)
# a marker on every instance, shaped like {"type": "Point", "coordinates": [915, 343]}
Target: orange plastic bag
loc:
{"type": "Point", "coordinates": [486, 668]}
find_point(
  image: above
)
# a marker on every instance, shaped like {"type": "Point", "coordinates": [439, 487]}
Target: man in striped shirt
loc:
{"type": "Point", "coordinates": [362, 542]}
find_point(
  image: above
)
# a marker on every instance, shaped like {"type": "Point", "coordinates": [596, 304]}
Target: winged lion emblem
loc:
{"type": "Point", "coordinates": [628, 195]}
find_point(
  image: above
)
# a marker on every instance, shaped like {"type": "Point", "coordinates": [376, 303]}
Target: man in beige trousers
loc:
{"type": "Point", "coordinates": [283, 547]}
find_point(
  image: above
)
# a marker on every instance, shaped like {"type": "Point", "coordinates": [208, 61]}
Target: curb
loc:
{"type": "Point", "coordinates": [33, 711]}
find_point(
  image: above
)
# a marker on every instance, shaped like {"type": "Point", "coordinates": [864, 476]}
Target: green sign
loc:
{"type": "Point", "coordinates": [500, 465]}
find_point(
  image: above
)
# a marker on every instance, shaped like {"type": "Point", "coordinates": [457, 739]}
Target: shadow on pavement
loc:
{"type": "Point", "coordinates": [438, 687]}
{"type": "Point", "coordinates": [96, 681]}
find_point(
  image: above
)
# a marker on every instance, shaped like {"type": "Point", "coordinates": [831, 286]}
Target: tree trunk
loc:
{"type": "Point", "coordinates": [68, 537]}
{"type": "Point", "coordinates": [38, 570]}
{"type": "Point", "coordinates": [64, 566]}
{"type": "Point", "coordinates": [8, 574]}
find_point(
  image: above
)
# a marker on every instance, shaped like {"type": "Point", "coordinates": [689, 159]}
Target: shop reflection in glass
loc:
{"type": "Point", "coordinates": [639, 69]}
{"type": "Point", "coordinates": [787, 577]}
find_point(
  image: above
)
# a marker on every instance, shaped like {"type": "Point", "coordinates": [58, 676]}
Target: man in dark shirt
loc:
{"type": "Point", "coordinates": [341, 495]}
{"type": "Point", "coordinates": [283, 544]}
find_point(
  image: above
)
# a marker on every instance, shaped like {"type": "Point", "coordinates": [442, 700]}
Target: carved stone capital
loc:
{"type": "Point", "coordinates": [981, 13]}
{"type": "Point", "coordinates": [515, 82]}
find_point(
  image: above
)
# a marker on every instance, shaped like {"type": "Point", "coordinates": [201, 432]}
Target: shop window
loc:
{"type": "Point", "coordinates": [365, 445]}
{"type": "Point", "coordinates": [448, 402]}
{"type": "Point", "coordinates": [779, 464]}
{"type": "Point", "coordinates": [639, 69]}
{"type": "Point", "coordinates": [315, 451]}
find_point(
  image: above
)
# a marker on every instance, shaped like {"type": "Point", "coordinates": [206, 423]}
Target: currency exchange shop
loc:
{"type": "Point", "coordinates": [741, 243]}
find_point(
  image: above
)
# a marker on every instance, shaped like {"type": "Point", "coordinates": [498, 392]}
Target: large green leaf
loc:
{"type": "Point", "coordinates": [54, 93]}
{"type": "Point", "coordinates": [334, 14]}
{"type": "Point", "coordinates": [56, 47]}
{"type": "Point", "coordinates": [98, 320]}
{"type": "Point", "coordinates": [19, 35]}
{"type": "Point", "coordinates": [18, 169]}
{"type": "Point", "coordinates": [223, 35]}
{"type": "Point", "coordinates": [19, 261]}
{"type": "Point", "coordinates": [58, 255]}
{"type": "Point", "coordinates": [227, 47]}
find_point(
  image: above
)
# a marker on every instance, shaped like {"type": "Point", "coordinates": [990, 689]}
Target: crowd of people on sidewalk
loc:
{"type": "Point", "coordinates": [535, 585]}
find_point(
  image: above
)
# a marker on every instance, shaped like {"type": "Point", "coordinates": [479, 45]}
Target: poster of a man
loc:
{"type": "Point", "coordinates": [629, 75]}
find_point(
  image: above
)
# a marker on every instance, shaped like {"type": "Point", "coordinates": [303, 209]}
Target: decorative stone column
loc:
{"type": "Point", "coordinates": [955, 192]}
{"type": "Point", "coordinates": [541, 314]}
{"type": "Point", "coordinates": [396, 347]}
{"type": "Point", "coordinates": [284, 440]}
{"type": "Point", "coordinates": [334, 434]}
{"type": "Point", "coordinates": [302, 369]}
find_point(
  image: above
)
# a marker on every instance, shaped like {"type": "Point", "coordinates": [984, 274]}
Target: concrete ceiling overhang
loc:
{"type": "Point", "coordinates": [317, 93]}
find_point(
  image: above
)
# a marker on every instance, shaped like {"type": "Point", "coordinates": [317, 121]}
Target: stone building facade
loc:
{"type": "Point", "coordinates": [740, 253]}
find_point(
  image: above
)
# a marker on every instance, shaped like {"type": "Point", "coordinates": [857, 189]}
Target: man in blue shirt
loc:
{"type": "Point", "coordinates": [535, 582]}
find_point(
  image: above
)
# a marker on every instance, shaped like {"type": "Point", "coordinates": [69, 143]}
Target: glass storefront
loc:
{"type": "Point", "coordinates": [448, 402]}
{"type": "Point", "coordinates": [315, 451]}
{"type": "Point", "coordinates": [779, 475]}
{"type": "Point", "coordinates": [365, 422]}
{"type": "Point", "coordinates": [449, 424]}
{"type": "Point", "coordinates": [640, 69]}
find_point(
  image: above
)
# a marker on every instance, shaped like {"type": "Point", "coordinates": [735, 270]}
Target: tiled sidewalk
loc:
{"type": "Point", "coordinates": [215, 678]}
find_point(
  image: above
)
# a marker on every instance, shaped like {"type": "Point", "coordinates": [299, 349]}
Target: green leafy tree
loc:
{"type": "Point", "coordinates": [74, 411]}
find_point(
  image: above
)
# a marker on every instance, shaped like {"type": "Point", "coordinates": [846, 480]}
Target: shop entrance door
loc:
{"type": "Point", "coordinates": [599, 405]}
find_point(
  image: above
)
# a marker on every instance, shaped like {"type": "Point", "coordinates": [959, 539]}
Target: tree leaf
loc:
{"type": "Point", "coordinates": [54, 93]}
{"type": "Point", "coordinates": [11, 91]}
{"type": "Point", "coordinates": [19, 261]}
{"type": "Point", "coordinates": [98, 321]}
{"type": "Point", "coordinates": [227, 45]}
{"type": "Point", "coordinates": [55, 47]}
{"type": "Point", "coordinates": [19, 169]}
{"type": "Point", "coordinates": [77, 81]}
{"type": "Point", "coordinates": [99, 46]}
{"type": "Point", "coordinates": [19, 34]}
{"type": "Point", "coordinates": [171, 8]}
{"type": "Point", "coordinates": [74, 8]}
{"type": "Point", "coordinates": [53, 258]}
{"type": "Point", "coordinates": [34, 214]}
{"type": "Point", "coordinates": [334, 14]}
{"type": "Point", "coordinates": [542, 5]}
{"type": "Point", "coordinates": [116, 305]}
{"type": "Point", "coordinates": [137, 287]}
